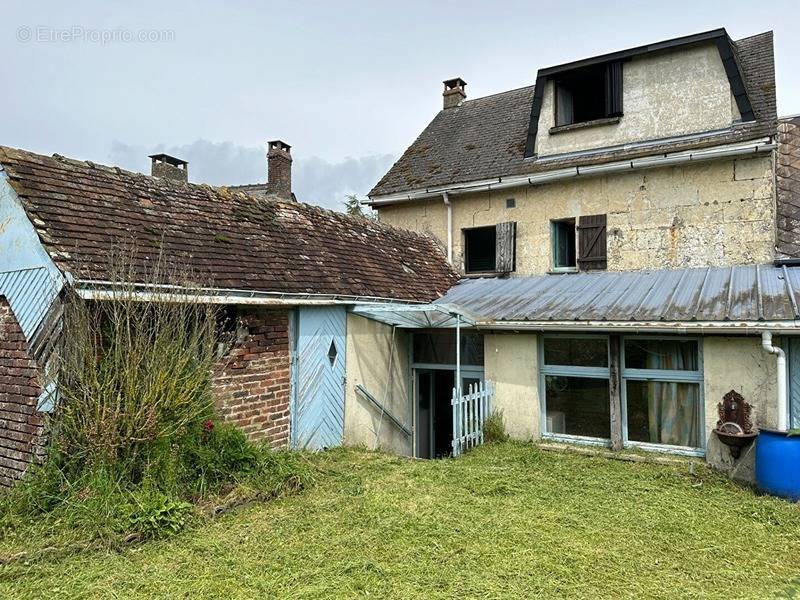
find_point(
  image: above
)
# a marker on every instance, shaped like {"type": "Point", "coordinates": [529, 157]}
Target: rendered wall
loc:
{"type": "Point", "coordinates": [666, 94]}
{"type": "Point", "coordinates": [370, 352]}
{"type": "Point", "coordinates": [706, 214]}
{"type": "Point", "coordinates": [511, 362]}
{"type": "Point", "coordinates": [740, 364]}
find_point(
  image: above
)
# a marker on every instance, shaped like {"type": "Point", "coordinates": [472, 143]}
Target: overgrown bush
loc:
{"type": "Point", "coordinates": [134, 438]}
{"type": "Point", "coordinates": [494, 428]}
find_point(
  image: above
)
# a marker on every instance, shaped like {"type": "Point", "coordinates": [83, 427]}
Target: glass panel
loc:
{"type": "Point", "coordinates": [578, 406]}
{"type": "Point", "coordinates": [563, 244]}
{"type": "Point", "coordinates": [576, 352]}
{"type": "Point", "coordinates": [664, 412]}
{"type": "Point", "coordinates": [439, 347]}
{"type": "Point", "coordinates": [675, 355]}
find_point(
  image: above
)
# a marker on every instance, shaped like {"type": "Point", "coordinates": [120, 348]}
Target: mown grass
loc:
{"type": "Point", "coordinates": [506, 520]}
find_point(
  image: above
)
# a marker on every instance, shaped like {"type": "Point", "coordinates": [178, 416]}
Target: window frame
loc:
{"type": "Point", "coordinates": [553, 245]}
{"type": "Point", "coordinates": [570, 371]}
{"type": "Point", "coordinates": [464, 232]}
{"type": "Point", "coordinates": [625, 375]}
{"type": "Point", "coordinates": [666, 376]}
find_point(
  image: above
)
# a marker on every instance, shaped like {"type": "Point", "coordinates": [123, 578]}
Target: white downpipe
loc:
{"type": "Point", "coordinates": [446, 198]}
{"type": "Point", "coordinates": [766, 344]}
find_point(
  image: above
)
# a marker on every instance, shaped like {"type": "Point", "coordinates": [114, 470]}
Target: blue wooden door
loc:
{"type": "Point", "coordinates": [318, 411]}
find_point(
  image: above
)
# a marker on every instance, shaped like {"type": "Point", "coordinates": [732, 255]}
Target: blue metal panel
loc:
{"type": "Point", "coordinates": [30, 292]}
{"type": "Point", "coordinates": [320, 378]}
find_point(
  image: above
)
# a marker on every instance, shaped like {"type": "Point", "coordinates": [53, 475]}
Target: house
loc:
{"type": "Point", "coordinates": [286, 271]}
{"type": "Point", "coordinates": [626, 230]}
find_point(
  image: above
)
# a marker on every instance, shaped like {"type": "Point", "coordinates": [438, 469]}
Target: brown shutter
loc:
{"type": "Point", "coordinates": [592, 242]}
{"type": "Point", "coordinates": [506, 248]}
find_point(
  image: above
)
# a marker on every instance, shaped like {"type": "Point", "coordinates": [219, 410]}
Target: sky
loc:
{"type": "Point", "coordinates": [348, 84]}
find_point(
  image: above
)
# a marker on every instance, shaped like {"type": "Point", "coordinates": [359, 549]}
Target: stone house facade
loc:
{"type": "Point", "coordinates": [625, 229]}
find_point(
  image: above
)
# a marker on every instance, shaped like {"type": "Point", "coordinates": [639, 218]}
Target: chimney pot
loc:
{"type": "Point", "coordinates": [279, 169]}
{"type": "Point", "coordinates": [169, 167]}
{"type": "Point", "coordinates": [454, 93]}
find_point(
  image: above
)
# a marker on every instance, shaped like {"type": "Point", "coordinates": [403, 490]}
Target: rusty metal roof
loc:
{"type": "Point", "coordinates": [726, 295]}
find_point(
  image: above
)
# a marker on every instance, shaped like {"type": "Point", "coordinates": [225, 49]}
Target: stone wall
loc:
{"type": "Point", "coordinates": [712, 213]}
{"type": "Point", "coordinates": [657, 102]}
{"type": "Point", "coordinates": [21, 425]}
{"type": "Point", "coordinates": [370, 352]}
{"type": "Point", "coordinates": [251, 384]}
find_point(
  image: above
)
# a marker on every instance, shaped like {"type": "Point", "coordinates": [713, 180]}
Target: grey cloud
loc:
{"type": "Point", "coordinates": [316, 180]}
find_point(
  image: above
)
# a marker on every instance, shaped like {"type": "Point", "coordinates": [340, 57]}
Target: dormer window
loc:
{"type": "Point", "coordinates": [589, 94]}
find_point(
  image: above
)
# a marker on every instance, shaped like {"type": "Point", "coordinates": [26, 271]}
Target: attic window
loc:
{"type": "Point", "coordinates": [589, 94]}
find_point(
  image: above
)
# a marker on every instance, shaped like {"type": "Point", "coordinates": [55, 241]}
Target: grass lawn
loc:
{"type": "Point", "coordinates": [504, 521]}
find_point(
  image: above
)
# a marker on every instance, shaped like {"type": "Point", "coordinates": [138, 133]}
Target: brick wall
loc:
{"type": "Point", "coordinates": [251, 383]}
{"type": "Point", "coordinates": [788, 188]}
{"type": "Point", "coordinates": [21, 425]}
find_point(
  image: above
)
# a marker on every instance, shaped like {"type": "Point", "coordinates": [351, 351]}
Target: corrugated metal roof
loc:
{"type": "Point", "coordinates": [748, 293]}
{"type": "Point", "coordinates": [30, 293]}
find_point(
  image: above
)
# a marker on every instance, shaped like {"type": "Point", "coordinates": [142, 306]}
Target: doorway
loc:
{"type": "Point", "coordinates": [434, 412]}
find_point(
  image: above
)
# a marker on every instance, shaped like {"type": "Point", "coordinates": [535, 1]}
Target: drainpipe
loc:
{"type": "Point", "coordinates": [449, 206]}
{"type": "Point", "coordinates": [766, 344]}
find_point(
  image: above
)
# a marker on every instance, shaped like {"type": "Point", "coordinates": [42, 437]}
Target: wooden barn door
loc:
{"type": "Point", "coordinates": [318, 407]}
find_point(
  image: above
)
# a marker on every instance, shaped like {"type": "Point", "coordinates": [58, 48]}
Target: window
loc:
{"type": "Point", "coordinates": [591, 243]}
{"type": "Point", "coordinates": [480, 249]}
{"type": "Point", "coordinates": [660, 390]}
{"type": "Point", "coordinates": [563, 236]}
{"type": "Point", "coordinates": [439, 347]}
{"type": "Point", "coordinates": [576, 386]}
{"type": "Point", "coordinates": [588, 94]}
{"type": "Point", "coordinates": [662, 380]}
{"type": "Point", "coordinates": [490, 249]}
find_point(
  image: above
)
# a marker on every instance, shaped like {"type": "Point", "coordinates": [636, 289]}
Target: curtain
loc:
{"type": "Point", "coordinates": [672, 406]}
{"type": "Point", "coordinates": [564, 105]}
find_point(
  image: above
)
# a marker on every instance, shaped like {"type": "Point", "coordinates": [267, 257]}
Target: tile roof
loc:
{"type": "Point", "coordinates": [485, 138]}
{"type": "Point", "coordinates": [711, 294]}
{"type": "Point", "coordinates": [83, 211]}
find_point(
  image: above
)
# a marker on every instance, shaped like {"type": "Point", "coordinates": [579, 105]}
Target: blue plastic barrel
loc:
{"type": "Point", "coordinates": [778, 464]}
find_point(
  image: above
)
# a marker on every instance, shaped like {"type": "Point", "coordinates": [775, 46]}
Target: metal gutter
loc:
{"type": "Point", "coordinates": [738, 327]}
{"type": "Point", "coordinates": [108, 290]}
{"type": "Point", "coordinates": [753, 147]}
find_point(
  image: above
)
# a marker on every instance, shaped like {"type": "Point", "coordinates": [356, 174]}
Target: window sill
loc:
{"type": "Point", "coordinates": [562, 270]}
{"type": "Point", "coordinates": [481, 274]}
{"type": "Point", "coordinates": [584, 125]}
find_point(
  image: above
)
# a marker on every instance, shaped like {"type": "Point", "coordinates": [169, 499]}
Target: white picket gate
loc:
{"type": "Point", "coordinates": [470, 411]}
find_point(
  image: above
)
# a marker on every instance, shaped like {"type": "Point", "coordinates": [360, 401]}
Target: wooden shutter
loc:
{"type": "Point", "coordinates": [614, 89]}
{"type": "Point", "coordinates": [592, 242]}
{"type": "Point", "coordinates": [506, 248]}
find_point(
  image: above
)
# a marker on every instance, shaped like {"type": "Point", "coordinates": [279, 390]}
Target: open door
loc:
{"type": "Point", "coordinates": [434, 390]}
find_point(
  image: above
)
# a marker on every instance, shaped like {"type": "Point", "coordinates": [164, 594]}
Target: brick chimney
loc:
{"type": "Point", "coordinates": [454, 93]}
{"type": "Point", "coordinates": [169, 167]}
{"type": "Point", "coordinates": [279, 169]}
